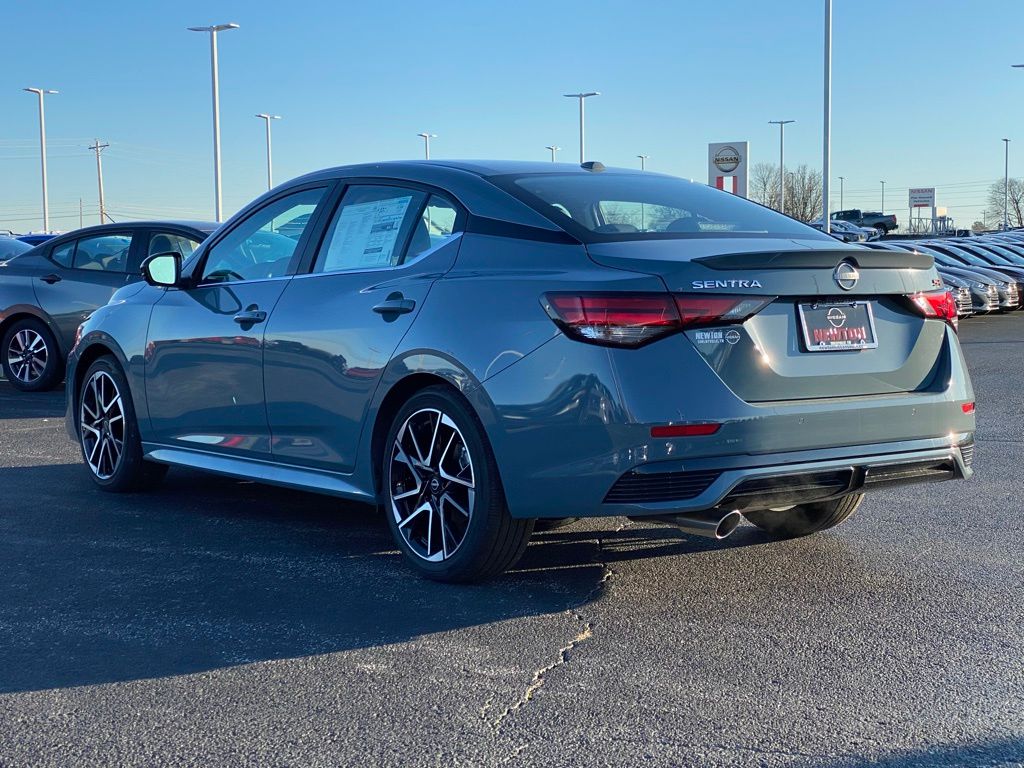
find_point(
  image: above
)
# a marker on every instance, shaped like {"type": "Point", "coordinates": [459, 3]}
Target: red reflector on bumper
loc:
{"type": "Point", "coordinates": [968, 407]}
{"type": "Point", "coordinates": [685, 430]}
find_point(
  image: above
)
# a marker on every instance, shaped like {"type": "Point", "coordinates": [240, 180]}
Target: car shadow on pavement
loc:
{"type": "Point", "coordinates": [30, 405]}
{"type": "Point", "coordinates": [211, 572]}
{"type": "Point", "coordinates": [1004, 751]}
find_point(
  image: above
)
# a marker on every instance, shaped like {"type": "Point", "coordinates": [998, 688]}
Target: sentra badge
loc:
{"type": "Point", "coordinates": [702, 284]}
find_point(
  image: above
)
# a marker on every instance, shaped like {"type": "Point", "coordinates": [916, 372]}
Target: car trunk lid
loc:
{"type": "Point", "coordinates": [840, 324]}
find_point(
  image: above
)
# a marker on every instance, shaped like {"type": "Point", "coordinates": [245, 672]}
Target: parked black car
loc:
{"type": "Point", "coordinates": [47, 291]}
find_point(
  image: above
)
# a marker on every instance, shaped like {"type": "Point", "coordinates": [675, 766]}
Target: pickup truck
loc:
{"type": "Point", "coordinates": [869, 219]}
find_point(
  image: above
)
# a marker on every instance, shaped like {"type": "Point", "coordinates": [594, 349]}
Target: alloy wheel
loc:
{"type": "Point", "coordinates": [102, 425]}
{"type": "Point", "coordinates": [432, 485]}
{"type": "Point", "coordinates": [27, 355]}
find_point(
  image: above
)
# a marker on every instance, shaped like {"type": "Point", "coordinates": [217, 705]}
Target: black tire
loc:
{"type": "Point", "coordinates": [43, 367]}
{"type": "Point", "coordinates": [491, 540]}
{"type": "Point", "coordinates": [552, 523]}
{"type": "Point", "coordinates": [806, 519]}
{"type": "Point", "coordinates": [130, 471]}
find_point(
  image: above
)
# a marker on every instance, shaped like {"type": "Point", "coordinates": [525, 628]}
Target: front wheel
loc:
{"type": "Point", "coordinates": [442, 494]}
{"type": "Point", "coordinates": [108, 431]}
{"type": "Point", "coordinates": [805, 519]}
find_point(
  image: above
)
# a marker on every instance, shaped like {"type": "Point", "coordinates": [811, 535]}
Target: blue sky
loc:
{"type": "Point", "coordinates": [922, 92]}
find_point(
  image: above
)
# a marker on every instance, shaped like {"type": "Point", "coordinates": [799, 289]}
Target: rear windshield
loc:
{"type": "Point", "coordinates": [11, 247]}
{"type": "Point", "coordinates": [633, 206]}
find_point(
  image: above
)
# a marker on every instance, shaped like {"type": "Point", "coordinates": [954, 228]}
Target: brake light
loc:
{"type": "Point", "coordinates": [967, 408]}
{"type": "Point", "coordinates": [634, 319]}
{"type": "Point", "coordinates": [939, 305]}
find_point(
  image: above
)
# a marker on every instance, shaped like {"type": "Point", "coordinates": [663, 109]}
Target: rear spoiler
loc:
{"type": "Point", "coordinates": [862, 259]}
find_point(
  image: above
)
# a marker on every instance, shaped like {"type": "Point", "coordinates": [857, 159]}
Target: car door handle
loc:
{"type": "Point", "coordinates": [251, 316]}
{"type": "Point", "coordinates": [51, 279]}
{"type": "Point", "coordinates": [395, 306]}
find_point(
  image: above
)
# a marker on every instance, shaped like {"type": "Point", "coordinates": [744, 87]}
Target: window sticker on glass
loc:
{"type": "Point", "coordinates": [366, 234]}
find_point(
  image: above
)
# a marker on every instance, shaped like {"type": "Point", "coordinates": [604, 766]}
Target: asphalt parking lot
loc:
{"type": "Point", "coordinates": [218, 622]}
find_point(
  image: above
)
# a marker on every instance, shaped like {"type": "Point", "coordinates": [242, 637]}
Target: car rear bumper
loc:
{"type": "Point", "coordinates": [571, 420]}
{"type": "Point", "coordinates": [784, 480]}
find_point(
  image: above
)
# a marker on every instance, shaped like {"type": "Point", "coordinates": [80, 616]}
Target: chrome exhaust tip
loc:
{"type": "Point", "coordinates": [712, 524]}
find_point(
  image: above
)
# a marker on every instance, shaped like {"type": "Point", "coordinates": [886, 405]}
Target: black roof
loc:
{"type": "Point", "coordinates": [202, 226]}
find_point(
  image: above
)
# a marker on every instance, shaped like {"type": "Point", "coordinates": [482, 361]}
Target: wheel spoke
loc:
{"type": "Point", "coordinates": [448, 498]}
{"type": "Point", "coordinates": [414, 514]}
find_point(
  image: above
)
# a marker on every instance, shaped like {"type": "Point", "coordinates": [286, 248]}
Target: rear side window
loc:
{"type": "Point", "coordinates": [63, 254]}
{"type": "Point", "coordinates": [436, 227]}
{"type": "Point", "coordinates": [167, 242]}
{"type": "Point", "coordinates": [103, 253]}
{"type": "Point", "coordinates": [371, 227]}
{"type": "Point", "coordinates": [636, 206]}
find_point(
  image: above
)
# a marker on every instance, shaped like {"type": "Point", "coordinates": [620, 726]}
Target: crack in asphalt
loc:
{"type": "Point", "coordinates": [562, 655]}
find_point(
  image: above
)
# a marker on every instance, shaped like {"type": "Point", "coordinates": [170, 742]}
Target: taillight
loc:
{"type": "Point", "coordinates": [634, 319]}
{"type": "Point", "coordinates": [939, 305]}
{"type": "Point", "coordinates": [718, 310]}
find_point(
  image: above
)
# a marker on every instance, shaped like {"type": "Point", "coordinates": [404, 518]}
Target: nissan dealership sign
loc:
{"type": "Point", "coordinates": [728, 163]}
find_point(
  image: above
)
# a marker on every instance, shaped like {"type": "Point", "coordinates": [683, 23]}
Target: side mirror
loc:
{"type": "Point", "coordinates": [163, 269]}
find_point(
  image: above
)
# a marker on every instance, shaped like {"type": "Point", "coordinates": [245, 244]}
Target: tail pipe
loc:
{"type": "Point", "coordinates": [713, 523]}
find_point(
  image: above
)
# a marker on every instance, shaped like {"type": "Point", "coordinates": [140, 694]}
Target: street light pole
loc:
{"type": "Point", "coordinates": [554, 148]}
{"type": "Point", "coordinates": [643, 162]}
{"type": "Point", "coordinates": [841, 180]}
{"type": "Point", "coordinates": [1006, 186]}
{"type": "Point", "coordinates": [270, 161]}
{"type": "Point", "coordinates": [426, 143]}
{"type": "Point", "coordinates": [782, 160]}
{"type": "Point", "coordinates": [583, 136]}
{"type": "Point", "coordinates": [883, 197]}
{"type": "Point", "coordinates": [213, 30]}
{"type": "Point", "coordinates": [827, 132]}
{"type": "Point", "coordinates": [40, 92]}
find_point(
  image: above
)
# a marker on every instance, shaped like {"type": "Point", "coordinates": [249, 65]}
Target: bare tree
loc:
{"type": "Point", "coordinates": [803, 190]}
{"type": "Point", "coordinates": [764, 184]}
{"type": "Point", "coordinates": [1016, 200]}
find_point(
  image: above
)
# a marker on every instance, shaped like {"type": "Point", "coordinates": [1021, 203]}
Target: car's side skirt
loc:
{"type": "Point", "coordinates": [289, 476]}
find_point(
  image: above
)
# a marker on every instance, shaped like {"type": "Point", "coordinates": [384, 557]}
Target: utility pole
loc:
{"type": "Point", "coordinates": [98, 148]}
{"type": "Point", "coordinates": [81, 221]}
{"type": "Point", "coordinates": [841, 180]}
{"type": "Point", "coordinates": [883, 196]}
{"type": "Point", "coordinates": [782, 160]}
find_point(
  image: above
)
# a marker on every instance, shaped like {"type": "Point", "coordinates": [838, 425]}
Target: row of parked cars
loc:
{"type": "Point", "coordinates": [984, 273]}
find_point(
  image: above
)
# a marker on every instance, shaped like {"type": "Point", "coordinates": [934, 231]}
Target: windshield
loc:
{"type": "Point", "coordinates": [633, 206]}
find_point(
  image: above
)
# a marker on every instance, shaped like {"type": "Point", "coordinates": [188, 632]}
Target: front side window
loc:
{"type": "Point", "coordinates": [105, 253]}
{"type": "Point", "coordinates": [633, 206]}
{"type": "Point", "coordinates": [167, 242]}
{"type": "Point", "coordinates": [263, 245]}
{"type": "Point", "coordinates": [371, 227]}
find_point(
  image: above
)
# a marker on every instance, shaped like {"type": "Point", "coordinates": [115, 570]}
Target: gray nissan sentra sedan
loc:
{"type": "Point", "coordinates": [482, 347]}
